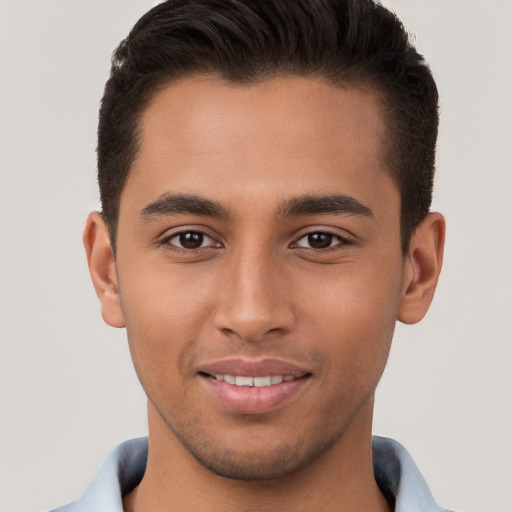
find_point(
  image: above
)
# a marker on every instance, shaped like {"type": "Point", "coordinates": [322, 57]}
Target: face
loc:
{"type": "Point", "coordinates": [259, 269]}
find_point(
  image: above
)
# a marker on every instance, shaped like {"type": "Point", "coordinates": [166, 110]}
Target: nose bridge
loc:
{"type": "Point", "coordinates": [252, 300]}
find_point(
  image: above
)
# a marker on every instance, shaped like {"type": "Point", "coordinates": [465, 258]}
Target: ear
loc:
{"type": "Point", "coordinates": [422, 268]}
{"type": "Point", "coordinates": [102, 267]}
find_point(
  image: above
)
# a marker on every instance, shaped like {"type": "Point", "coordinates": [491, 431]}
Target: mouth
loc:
{"type": "Point", "coordinates": [256, 382]}
{"type": "Point", "coordinates": [253, 387]}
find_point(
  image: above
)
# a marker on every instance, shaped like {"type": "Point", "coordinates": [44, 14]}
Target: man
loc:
{"type": "Point", "coordinates": [266, 173]}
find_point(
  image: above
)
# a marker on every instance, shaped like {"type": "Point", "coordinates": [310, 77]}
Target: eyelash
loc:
{"type": "Point", "coordinates": [342, 242]}
{"type": "Point", "coordinates": [167, 241]}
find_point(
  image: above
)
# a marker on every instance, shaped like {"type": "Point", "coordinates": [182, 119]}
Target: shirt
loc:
{"type": "Point", "coordinates": [124, 467]}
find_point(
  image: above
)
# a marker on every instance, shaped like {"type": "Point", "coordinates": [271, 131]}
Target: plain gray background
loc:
{"type": "Point", "coordinates": [68, 391]}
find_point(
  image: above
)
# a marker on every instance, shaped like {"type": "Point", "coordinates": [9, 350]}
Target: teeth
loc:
{"type": "Point", "coordinates": [244, 381]}
{"type": "Point", "coordinates": [257, 382]}
{"type": "Point", "coordinates": [260, 382]}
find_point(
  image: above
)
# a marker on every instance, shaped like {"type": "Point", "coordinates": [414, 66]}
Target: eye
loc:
{"type": "Point", "coordinates": [191, 240]}
{"type": "Point", "coordinates": [321, 240]}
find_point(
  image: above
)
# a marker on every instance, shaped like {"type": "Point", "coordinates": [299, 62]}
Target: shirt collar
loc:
{"type": "Point", "coordinates": [398, 476]}
{"type": "Point", "coordinates": [123, 468]}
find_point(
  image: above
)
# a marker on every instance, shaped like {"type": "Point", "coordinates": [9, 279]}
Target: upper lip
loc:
{"type": "Point", "coordinates": [253, 367]}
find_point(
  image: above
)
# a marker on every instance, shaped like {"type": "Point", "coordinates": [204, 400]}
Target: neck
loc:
{"type": "Point", "coordinates": [341, 479]}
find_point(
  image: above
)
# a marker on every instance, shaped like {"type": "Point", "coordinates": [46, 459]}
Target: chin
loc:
{"type": "Point", "coordinates": [253, 467]}
{"type": "Point", "coordinates": [255, 458]}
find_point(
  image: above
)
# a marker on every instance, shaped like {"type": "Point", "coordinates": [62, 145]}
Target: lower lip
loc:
{"type": "Point", "coordinates": [254, 400]}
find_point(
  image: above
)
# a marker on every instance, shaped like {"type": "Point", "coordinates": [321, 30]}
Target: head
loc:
{"type": "Point", "coordinates": [348, 43]}
{"type": "Point", "coordinates": [265, 171]}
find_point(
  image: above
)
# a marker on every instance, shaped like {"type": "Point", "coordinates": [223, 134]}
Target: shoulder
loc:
{"type": "Point", "coordinates": [120, 472]}
{"type": "Point", "coordinates": [400, 479]}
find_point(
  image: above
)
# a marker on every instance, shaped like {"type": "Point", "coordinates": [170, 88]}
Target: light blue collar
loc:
{"type": "Point", "coordinates": [124, 467]}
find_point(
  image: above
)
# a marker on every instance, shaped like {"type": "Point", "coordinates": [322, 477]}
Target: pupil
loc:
{"type": "Point", "coordinates": [191, 240]}
{"type": "Point", "coordinates": [319, 240]}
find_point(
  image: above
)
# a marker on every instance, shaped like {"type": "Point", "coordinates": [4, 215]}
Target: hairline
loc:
{"type": "Point", "coordinates": [350, 80]}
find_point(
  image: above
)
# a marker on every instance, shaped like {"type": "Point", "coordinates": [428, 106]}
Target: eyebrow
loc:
{"type": "Point", "coordinates": [320, 204]}
{"type": "Point", "coordinates": [176, 204]}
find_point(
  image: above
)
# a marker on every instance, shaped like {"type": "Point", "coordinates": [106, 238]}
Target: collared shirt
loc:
{"type": "Point", "coordinates": [124, 467]}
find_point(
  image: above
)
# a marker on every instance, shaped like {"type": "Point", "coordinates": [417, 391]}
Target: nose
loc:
{"type": "Point", "coordinates": [254, 299]}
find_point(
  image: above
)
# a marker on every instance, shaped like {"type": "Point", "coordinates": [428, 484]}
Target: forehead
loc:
{"type": "Point", "coordinates": [203, 134]}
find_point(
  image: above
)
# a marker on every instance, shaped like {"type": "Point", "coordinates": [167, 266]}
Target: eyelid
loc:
{"type": "Point", "coordinates": [165, 240]}
{"type": "Point", "coordinates": [344, 241]}
{"type": "Point", "coordinates": [168, 235]}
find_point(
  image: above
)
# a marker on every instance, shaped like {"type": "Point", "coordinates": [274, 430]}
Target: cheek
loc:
{"type": "Point", "coordinates": [165, 297]}
{"type": "Point", "coordinates": [354, 314]}
{"type": "Point", "coordinates": [165, 313]}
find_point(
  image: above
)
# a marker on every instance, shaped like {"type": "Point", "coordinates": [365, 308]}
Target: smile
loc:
{"type": "Point", "coordinates": [257, 382]}
{"type": "Point", "coordinates": [247, 394]}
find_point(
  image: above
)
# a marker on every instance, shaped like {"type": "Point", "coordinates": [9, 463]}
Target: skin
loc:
{"type": "Point", "coordinates": [255, 287]}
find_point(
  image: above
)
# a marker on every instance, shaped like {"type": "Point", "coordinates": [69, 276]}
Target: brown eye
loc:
{"type": "Point", "coordinates": [319, 240]}
{"type": "Point", "coordinates": [191, 240]}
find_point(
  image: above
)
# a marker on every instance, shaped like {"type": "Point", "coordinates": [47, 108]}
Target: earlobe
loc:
{"type": "Point", "coordinates": [102, 267]}
{"type": "Point", "coordinates": [422, 268]}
